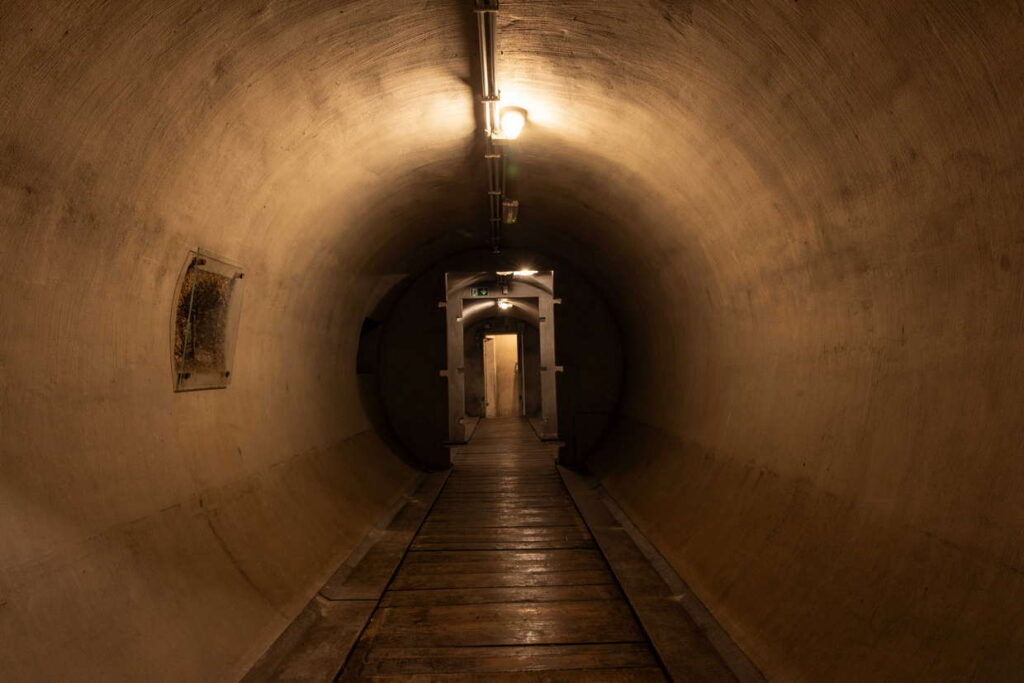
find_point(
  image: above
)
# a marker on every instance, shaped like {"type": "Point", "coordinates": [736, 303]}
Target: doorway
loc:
{"type": "Point", "coordinates": [525, 295]}
{"type": "Point", "coordinates": [502, 376]}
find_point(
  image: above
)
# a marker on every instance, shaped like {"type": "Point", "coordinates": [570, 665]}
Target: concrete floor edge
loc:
{"type": "Point", "coordinates": [285, 651]}
{"type": "Point", "coordinates": [742, 667]}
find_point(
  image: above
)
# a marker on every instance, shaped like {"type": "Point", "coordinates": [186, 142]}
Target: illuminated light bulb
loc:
{"type": "Point", "coordinates": [524, 272]}
{"type": "Point", "coordinates": [504, 304]}
{"type": "Point", "coordinates": [512, 122]}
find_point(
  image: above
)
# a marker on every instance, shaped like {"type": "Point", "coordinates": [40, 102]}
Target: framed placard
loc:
{"type": "Point", "coordinates": [205, 322]}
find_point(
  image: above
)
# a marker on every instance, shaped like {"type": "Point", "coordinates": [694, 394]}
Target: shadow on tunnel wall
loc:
{"type": "Point", "coordinates": [368, 354]}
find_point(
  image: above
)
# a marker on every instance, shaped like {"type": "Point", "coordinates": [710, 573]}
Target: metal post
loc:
{"type": "Point", "coordinates": [456, 372]}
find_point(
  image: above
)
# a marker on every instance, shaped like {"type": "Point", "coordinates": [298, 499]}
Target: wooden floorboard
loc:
{"type": "Point", "coordinates": [454, 561]}
{"type": "Point", "coordinates": [502, 594]}
{"type": "Point", "coordinates": [509, 659]}
{"type": "Point", "coordinates": [606, 621]}
{"type": "Point", "coordinates": [503, 582]}
{"type": "Point", "coordinates": [589, 675]}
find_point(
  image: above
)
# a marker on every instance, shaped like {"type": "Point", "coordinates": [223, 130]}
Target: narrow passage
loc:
{"type": "Point", "coordinates": [503, 581]}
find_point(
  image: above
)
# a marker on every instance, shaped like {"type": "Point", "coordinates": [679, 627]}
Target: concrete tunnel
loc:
{"type": "Point", "coordinates": [804, 221]}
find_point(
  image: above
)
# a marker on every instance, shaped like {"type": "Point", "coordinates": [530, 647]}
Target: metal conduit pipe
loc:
{"type": "Point", "coordinates": [486, 31]}
{"type": "Point", "coordinates": [486, 11]}
{"type": "Point", "coordinates": [495, 191]}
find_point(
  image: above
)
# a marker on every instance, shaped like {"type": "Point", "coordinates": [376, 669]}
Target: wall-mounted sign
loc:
{"type": "Point", "coordinates": [205, 322]}
{"type": "Point", "coordinates": [479, 291]}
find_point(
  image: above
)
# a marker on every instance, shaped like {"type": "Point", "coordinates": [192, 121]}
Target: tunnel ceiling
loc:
{"type": "Point", "coordinates": [649, 122]}
{"type": "Point", "coordinates": [807, 215]}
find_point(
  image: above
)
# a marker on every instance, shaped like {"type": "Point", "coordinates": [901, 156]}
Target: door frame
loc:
{"type": "Point", "coordinates": [468, 296]}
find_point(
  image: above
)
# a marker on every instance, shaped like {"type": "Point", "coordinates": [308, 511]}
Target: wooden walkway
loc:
{"type": "Point", "coordinates": [503, 582]}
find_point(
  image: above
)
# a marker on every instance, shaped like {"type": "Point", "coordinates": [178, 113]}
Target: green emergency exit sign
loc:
{"type": "Point", "coordinates": [479, 291]}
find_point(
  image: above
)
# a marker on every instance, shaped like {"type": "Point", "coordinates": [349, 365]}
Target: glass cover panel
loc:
{"type": "Point", "coordinates": [206, 323]}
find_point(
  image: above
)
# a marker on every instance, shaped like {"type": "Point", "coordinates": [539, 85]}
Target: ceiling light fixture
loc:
{"type": "Point", "coordinates": [504, 304]}
{"type": "Point", "coordinates": [524, 273]}
{"type": "Point", "coordinates": [511, 124]}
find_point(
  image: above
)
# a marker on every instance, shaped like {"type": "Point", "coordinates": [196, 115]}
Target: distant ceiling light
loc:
{"type": "Point", "coordinates": [512, 121]}
{"type": "Point", "coordinates": [504, 304]}
{"type": "Point", "coordinates": [524, 272]}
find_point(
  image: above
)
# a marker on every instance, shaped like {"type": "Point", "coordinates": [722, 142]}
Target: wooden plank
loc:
{"type": "Point", "coordinates": [458, 481]}
{"type": "Point", "coordinates": [485, 517]}
{"type": "Point", "coordinates": [488, 568]}
{"type": "Point", "coordinates": [509, 497]}
{"type": "Point", "coordinates": [499, 542]}
{"type": "Point", "coordinates": [503, 545]}
{"type": "Point", "coordinates": [485, 499]}
{"type": "Point", "coordinates": [502, 594]}
{"type": "Point", "coordinates": [503, 464]}
{"type": "Point", "coordinates": [504, 447]}
{"type": "Point", "coordinates": [507, 624]}
{"type": "Point", "coordinates": [535, 487]}
{"type": "Point", "coordinates": [588, 675]}
{"type": "Point", "coordinates": [353, 669]}
{"type": "Point", "coordinates": [502, 455]}
{"type": "Point", "coordinates": [505, 533]}
{"type": "Point", "coordinates": [514, 471]}
{"type": "Point", "coordinates": [536, 490]}
{"type": "Point", "coordinates": [506, 468]}
{"type": "Point", "coordinates": [458, 508]}
{"type": "Point", "coordinates": [449, 506]}
{"type": "Point", "coordinates": [509, 534]}
{"type": "Point", "coordinates": [512, 515]}
{"type": "Point", "coordinates": [521, 489]}
{"type": "Point", "coordinates": [450, 562]}
{"type": "Point", "coordinates": [509, 513]}
{"type": "Point", "coordinates": [510, 578]}
{"type": "Point", "coordinates": [499, 458]}
{"type": "Point", "coordinates": [502, 491]}
{"type": "Point", "coordinates": [393, 661]}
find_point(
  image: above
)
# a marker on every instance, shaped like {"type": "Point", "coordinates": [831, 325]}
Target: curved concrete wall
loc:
{"type": "Point", "coordinates": [148, 535]}
{"type": "Point", "coordinates": [807, 215]}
